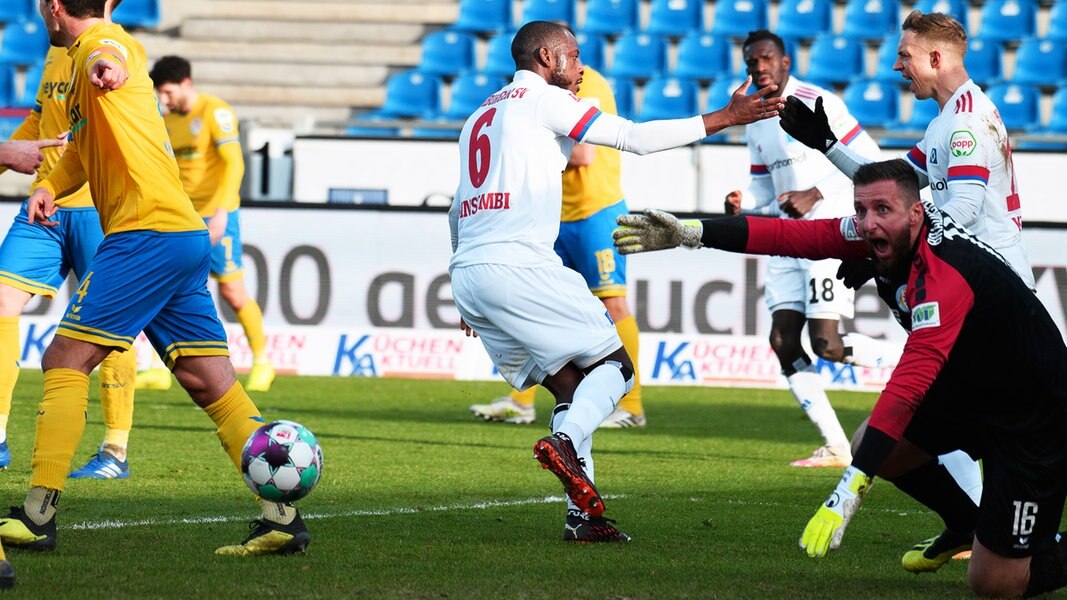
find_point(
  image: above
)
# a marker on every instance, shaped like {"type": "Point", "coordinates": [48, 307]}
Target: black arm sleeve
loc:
{"type": "Point", "coordinates": [726, 233]}
{"type": "Point", "coordinates": [874, 449]}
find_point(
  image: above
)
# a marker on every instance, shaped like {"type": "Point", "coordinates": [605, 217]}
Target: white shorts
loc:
{"type": "Point", "coordinates": [533, 320]}
{"type": "Point", "coordinates": [808, 287]}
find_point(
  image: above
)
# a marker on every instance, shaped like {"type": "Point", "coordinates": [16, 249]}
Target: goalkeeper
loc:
{"type": "Point", "coordinates": [963, 306]}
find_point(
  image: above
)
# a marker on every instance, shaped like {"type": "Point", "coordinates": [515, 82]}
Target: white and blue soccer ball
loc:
{"type": "Point", "coordinates": [281, 461]}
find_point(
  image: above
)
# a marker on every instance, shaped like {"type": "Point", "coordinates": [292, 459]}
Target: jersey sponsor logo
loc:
{"type": "Point", "coordinates": [486, 201]}
{"type": "Point", "coordinates": [939, 185]}
{"type": "Point", "coordinates": [55, 89]}
{"type": "Point", "coordinates": [962, 143]}
{"type": "Point", "coordinates": [902, 299]}
{"type": "Point", "coordinates": [505, 94]}
{"type": "Point", "coordinates": [925, 315]}
{"type": "Point", "coordinates": [848, 229]}
{"type": "Point", "coordinates": [77, 120]}
{"type": "Point", "coordinates": [933, 156]}
{"type": "Point", "coordinates": [226, 121]}
{"type": "Point", "coordinates": [785, 162]}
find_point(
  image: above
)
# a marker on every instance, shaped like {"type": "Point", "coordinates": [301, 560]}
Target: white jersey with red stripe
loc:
{"type": "Point", "coordinates": [512, 152]}
{"type": "Point", "coordinates": [967, 144]}
{"type": "Point", "coordinates": [780, 163]}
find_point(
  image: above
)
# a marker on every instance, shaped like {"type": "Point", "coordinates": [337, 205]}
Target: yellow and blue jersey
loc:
{"type": "Point", "coordinates": [199, 139]}
{"type": "Point", "coordinates": [589, 189]}
{"type": "Point", "coordinates": [119, 142]}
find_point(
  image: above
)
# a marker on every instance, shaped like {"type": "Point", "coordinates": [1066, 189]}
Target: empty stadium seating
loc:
{"type": "Point", "coordinates": [675, 17]}
{"type": "Point", "coordinates": [1040, 62]}
{"type": "Point", "coordinates": [498, 60]}
{"type": "Point", "coordinates": [136, 13]}
{"type": "Point", "coordinates": [24, 94]}
{"type": "Point", "coordinates": [548, 10]}
{"type": "Point", "coordinates": [702, 57]}
{"type": "Point", "coordinates": [804, 19]}
{"type": "Point", "coordinates": [447, 52]}
{"type": "Point", "coordinates": [12, 11]}
{"type": "Point", "coordinates": [983, 60]}
{"type": "Point", "coordinates": [24, 43]}
{"type": "Point", "coordinates": [484, 16]}
{"type": "Point", "coordinates": [958, 9]}
{"type": "Point", "coordinates": [668, 98]}
{"type": "Point", "coordinates": [834, 59]}
{"type": "Point", "coordinates": [872, 102]}
{"type": "Point", "coordinates": [1005, 20]}
{"type": "Point", "coordinates": [623, 90]}
{"type": "Point", "coordinates": [1018, 105]}
{"type": "Point", "coordinates": [469, 91]}
{"type": "Point", "coordinates": [610, 17]}
{"type": "Point", "coordinates": [871, 19]}
{"type": "Point", "coordinates": [1057, 21]}
{"type": "Point", "coordinates": [887, 57]}
{"type": "Point", "coordinates": [591, 49]}
{"type": "Point", "coordinates": [411, 94]}
{"type": "Point", "coordinates": [738, 17]}
{"type": "Point", "coordinates": [639, 56]}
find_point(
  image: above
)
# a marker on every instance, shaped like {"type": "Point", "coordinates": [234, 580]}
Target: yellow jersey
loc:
{"type": "Point", "coordinates": [196, 137]}
{"type": "Point", "coordinates": [591, 188]}
{"type": "Point", "coordinates": [119, 143]}
{"type": "Point", "coordinates": [49, 119]}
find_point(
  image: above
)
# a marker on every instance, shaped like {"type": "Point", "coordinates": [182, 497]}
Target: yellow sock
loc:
{"type": "Point", "coordinates": [251, 318]}
{"type": "Point", "coordinates": [627, 329]}
{"type": "Point", "coordinates": [525, 398]}
{"type": "Point", "coordinates": [9, 365]}
{"type": "Point", "coordinates": [117, 375]}
{"type": "Point", "coordinates": [60, 424]}
{"type": "Point", "coordinates": [235, 417]}
{"type": "Point", "coordinates": [2, 555]}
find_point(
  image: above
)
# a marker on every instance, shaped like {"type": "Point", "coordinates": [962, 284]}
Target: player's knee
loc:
{"type": "Point", "coordinates": [994, 583]}
{"type": "Point", "coordinates": [831, 348]}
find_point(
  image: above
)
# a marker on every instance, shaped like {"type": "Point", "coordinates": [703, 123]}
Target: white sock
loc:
{"type": "Point", "coordinates": [594, 399]}
{"type": "Point", "coordinates": [869, 352]}
{"type": "Point", "coordinates": [807, 388]}
{"type": "Point", "coordinates": [966, 471]}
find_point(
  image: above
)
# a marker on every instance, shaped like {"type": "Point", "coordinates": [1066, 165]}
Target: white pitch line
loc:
{"type": "Point", "coordinates": [381, 512]}
{"type": "Point", "coordinates": [400, 510]}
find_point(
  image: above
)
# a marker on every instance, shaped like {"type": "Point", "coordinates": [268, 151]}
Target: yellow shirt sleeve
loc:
{"type": "Point", "coordinates": [67, 176]}
{"type": "Point", "coordinates": [225, 136]}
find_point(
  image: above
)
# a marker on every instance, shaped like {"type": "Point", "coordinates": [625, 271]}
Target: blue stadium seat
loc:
{"type": "Point", "coordinates": [804, 19]}
{"type": "Point", "coordinates": [639, 56]}
{"type": "Point", "coordinates": [1057, 125]}
{"type": "Point", "coordinates": [548, 10]}
{"type": "Point", "coordinates": [25, 95]}
{"type": "Point", "coordinates": [702, 57]}
{"type": "Point", "coordinates": [411, 93]}
{"type": "Point", "coordinates": [7, 86]}
{"type": "Point", "coordinates": [1057, 21]}
{"type": "Point", "coordinates": [437, 133]}
{"type": "Point", "coordinates": [905, 134]}
{"type": "Point", "coordinates": [469, 91]}
{"type": "Point", "coordinates": [447, 52]}
{"type": "Point", "coordinates": [498, 60]}
{"type": "Point", "coordinates": [137, 13]}
{"type": "Point", "coordinates": [957, 9]}
{"type": "Point", "coordinates": [483, 16]}
{"type": "Point", "coordinates": [983, 60]}
{"type": "Point", "coordinates": [668, 98]}
{"type": "Point", "coordinates": [1040, 62]}
{"type": "Point", "coordinates": [738, 17]}
{"type": "Point", "coordinates": [8, 125]}
{"type": "Point", "coordinates": [922, 112]}
{"type": "Point", "coordinates": [25, 42]}
{"type": "Point", "coordinates": [871, 19]}
{"type": "Point", "coordinates": [363, 126]}
{"type": "Point", "coordinates": [591, 49]}
{"type": "Point", "coordinates": [873, 103]}
{"type": "Point", "coordinates": [887, 57]}
{"type": "Point", "coordinates": [1017, 104]}
{"type": "Point", "coordinates": [1007, 20]}
{"type": "Point", "coordinates": [610, 17]}
{"type": "Point", "coordinates": [834, 59]}
{"type": "Point", "coordinates": [676, 18]}
{"type": "Point", "coordinates": [12, 11]}
{"type": "Point", "coordinates": [623, 90]}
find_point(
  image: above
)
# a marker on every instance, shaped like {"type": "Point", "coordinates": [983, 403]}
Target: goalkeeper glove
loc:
{"type": "Point", "coordinates": [810, 128]}
{"type": "Point", "coordinates": [655, 230]}
{"type": "Point", "coordinates": [856, 272]}
{"type": "Point", "coordinates": [827, 527]}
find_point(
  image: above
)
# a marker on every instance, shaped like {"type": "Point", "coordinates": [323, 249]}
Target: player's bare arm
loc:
{"type": "Point", "coordinates": [108, 75]}
{"type": "Point", "coordinates": [25, 156]}
{"type": "Point", "coordinates": [744, 109]}
{"type": "Point", "coordinates": [799, 203]}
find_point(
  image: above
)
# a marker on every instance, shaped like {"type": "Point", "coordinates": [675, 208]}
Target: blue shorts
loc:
{"type": "Point", "coordinates": [151, 281]}
{"type": "Point", "coordinates": [586, 246]}
{"type": "Point", "coordinates": [226, 255]}
{"type": "Point", "coordinates": [36, 259]}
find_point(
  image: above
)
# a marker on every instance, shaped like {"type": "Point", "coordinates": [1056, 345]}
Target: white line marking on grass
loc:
{"type": "Point", "coordinates": [381, 512]}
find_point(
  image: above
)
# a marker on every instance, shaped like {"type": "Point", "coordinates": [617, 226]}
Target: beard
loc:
{"type": "Point", "coordinates": [558, 77]}
{"type": "Point", "coordinates": [900, 257]}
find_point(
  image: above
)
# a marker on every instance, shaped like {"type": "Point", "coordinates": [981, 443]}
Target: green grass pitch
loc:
{"type": "Point", "coordinates": [420, 500]}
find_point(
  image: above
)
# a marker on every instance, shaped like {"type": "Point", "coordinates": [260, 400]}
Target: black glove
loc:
{"type": "Point", "coordinates": [811, 128]}
{"type": "Point", "coordinates": [856, 272]}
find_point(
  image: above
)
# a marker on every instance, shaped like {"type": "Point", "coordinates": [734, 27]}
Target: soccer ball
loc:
{"type": "Point", "coordinates": [281, 461]}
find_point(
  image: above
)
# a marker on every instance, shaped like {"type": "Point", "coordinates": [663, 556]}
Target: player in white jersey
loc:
{"type": "Point", "coordinates": [504, 220]}
{"type": "Point", "coordinates": [794, 181]}
{"type": "Point", "coordinates": [965, 158]}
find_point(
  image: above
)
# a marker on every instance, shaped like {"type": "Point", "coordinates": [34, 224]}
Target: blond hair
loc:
{"type": "Point", "coordinates": [938, 28]}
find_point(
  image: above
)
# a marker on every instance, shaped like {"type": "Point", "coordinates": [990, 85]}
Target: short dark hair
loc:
{"type": "Point", "coordinates": [533, 36]}
{"type": "Point", "coordinates": [761, 35]}
{"type": "Point", "coordinates": [83, 9]}
{"type": "Point", "coordinates": [897, 170]}
{"type": "Point", "coordinates": [170, 69]}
